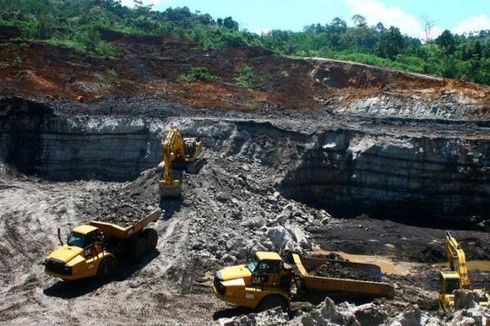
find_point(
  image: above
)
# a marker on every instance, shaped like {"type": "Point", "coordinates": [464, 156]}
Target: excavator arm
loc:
{"type": "Point", "coordinates": [176, 150]}
{"type": "Point", "coordinates": [457, 260]}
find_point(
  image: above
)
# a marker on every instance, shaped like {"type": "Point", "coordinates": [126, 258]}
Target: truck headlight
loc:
{"type": "Point", "coordinates": [220, 288]}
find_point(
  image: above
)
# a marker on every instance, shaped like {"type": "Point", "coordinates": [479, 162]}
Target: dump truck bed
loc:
{"type": "Point", "coordinates": [354, 287]}
{"type": "Point", "coordinates": [117, 231]}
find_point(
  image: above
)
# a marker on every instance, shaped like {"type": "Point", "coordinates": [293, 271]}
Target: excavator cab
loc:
{"type": "Point", "coordinates": [450, 282]}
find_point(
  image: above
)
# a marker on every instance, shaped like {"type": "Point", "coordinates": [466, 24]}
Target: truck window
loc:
{"type": "Point", "coordinates": [252, 265]}
{"type": "Point", "coordinates": [452, 284]}
{"type": "Point", "coordinates": [91, 238]}
{"type": "Point", "coordinates": [269, 267]}
{"type": "Point", "coordinates": [274, 267]}
{"type": "Point", "coordinates": [76, 240]}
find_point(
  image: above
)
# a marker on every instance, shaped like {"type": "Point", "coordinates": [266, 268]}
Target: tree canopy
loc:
{"type": "Point", "coordinates": [79, 24]}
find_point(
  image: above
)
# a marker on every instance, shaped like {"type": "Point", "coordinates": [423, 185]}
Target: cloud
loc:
{"type": "Point", "coordinates": [375, 11]}
{"type": "Point", "coordinates": [473, 24]}
{"type": "Point", "coordinates": [155, 3]}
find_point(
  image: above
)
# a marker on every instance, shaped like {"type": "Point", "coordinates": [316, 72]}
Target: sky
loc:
{"type": "Point", "coordinates": [458, 16]}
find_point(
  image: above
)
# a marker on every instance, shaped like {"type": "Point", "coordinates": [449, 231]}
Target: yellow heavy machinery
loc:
{"type": "Point", "coordinates": [178, 153]}
{"type": "Point", "coordinates": [266, 281]}
{"type": "Point", "coordinates": [92, 249]}
{"type": "Point", "coordinates": [457, 277]}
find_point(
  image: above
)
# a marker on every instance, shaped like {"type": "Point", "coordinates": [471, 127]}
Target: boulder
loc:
{"type": "Point", "coordinates": [411, 316]}
{"type": "Point", "coordinates": [280, 238]}
{"type": "Point", "coordinates": [298, 235]}
{"type": "Point", "coordinates": [326, 314]}
{"type": "Point", "coordinates": [273, 317]}
{"type": "Point", "coordinates": [465, 299]}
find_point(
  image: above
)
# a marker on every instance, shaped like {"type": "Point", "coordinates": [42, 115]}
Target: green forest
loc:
{"type": "Point", "coordinates": [78, 24]}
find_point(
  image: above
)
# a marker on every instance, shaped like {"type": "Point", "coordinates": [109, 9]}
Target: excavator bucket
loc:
{"type": "Point", "coordinates": [171, 190]}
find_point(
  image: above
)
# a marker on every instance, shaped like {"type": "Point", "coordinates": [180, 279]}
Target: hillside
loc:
{"type": "Point", "coordinates": [249, 78]}
{"type": "Point", "coordinates": [82, 25]}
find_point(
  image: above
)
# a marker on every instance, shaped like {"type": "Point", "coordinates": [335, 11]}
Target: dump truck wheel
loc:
{"type": "Point", "coordinates": [151, 237]}
{"type": "Point", "coordinates": [106, 269]}
{"type": "Point", "coordinates": [273, 301]}
{"type": "Point", "coordinates": [137, 248]}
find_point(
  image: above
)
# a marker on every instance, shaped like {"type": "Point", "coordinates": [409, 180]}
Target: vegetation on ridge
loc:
{"type": "Point", "coordinates": [79, 24]}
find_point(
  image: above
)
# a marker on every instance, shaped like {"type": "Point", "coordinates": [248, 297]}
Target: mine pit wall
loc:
{"type": "Point", "coordinates": [68, 147]}
{"type": "Point", "coordinates": [60, 148]}
{"type": "Point", "coordinates": [419, 180]}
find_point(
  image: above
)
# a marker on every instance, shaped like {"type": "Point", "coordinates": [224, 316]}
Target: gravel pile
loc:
{"type": "Point", "coordinates": [339, 270]}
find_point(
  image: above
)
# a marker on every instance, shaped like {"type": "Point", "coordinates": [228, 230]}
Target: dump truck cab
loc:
{"type": "Point", "coordinates": [80, 256]}
{"type": "Point", "coordinates": [262, 282]}
{"type": "Point", "coordinates": [84, 236]}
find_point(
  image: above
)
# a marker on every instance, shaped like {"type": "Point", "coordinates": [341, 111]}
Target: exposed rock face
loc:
{"type": "Point", "coordinates": [391, 93]}
{"type": "Point", "coordinates": [351, 172]}
{"type": "Point", "coordinates": [348, 171]}
{"type": "Point", "coordinates": [39, 142]}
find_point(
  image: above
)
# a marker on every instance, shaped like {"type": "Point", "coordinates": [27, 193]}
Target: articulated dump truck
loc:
{"type": "Point", "coordinates": [93, 249]}
{"type": "Point", "coordinates": [266, 281]}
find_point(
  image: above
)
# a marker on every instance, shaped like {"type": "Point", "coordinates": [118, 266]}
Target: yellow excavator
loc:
{"type": "Point", "coordinates": [457, 277]}
{"type": "Point", "coordinates": [179, 153]}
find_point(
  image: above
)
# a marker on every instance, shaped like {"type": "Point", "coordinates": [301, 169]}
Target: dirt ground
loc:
{"type": "Point", "coordinates": [235, 205]}
{"type": "Point", "coordinates": [173, 285]}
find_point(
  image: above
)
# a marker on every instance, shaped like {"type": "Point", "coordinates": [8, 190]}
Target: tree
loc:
{"type": "Point", "coordinates": [390, 44]}
{"type": "Point", "coordinates": [335, 30]}
{"type": "Point", "coordinates": [359, 38]}
{"type": "Point", "coordinates": [428, 25]}
{"type": "Point", "coordinates": [446, 42]}
{"type": "Point", "coordinates": [229, 23]}
{"type": "Point", "coordinates": [359, 20]}
{"type": "Point", "coordinates": [477, 50]}
{"type": "Point", "coordinates": [338, 25]}
{"type": "Point", "coordinates": [380, 28]}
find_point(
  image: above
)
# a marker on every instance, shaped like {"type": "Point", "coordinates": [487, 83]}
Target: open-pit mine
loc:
{"type": "Point", "coordinates": [330, 157]}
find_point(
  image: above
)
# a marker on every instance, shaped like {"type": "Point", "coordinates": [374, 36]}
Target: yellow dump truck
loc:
{"type": "Point", "coordinates": [266, 281]}
{"type": "Point", "coordinates": [93, 249]}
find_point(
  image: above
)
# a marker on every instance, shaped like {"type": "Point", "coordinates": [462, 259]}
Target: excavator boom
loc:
{"type": "Point", "coordinates": [177, 152]}
{"type": "Point", "coordinates": [457, 260]}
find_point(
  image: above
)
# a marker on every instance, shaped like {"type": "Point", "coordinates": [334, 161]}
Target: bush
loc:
{"type": "Point", "coordinates": [245, 77]}
{"type": "Point", "coordinates": [199, 74]}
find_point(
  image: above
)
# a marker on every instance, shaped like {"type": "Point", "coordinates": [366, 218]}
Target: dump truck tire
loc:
{"type": "Point", "coordinates": [136, 248]}
{"type": "Point", "coordinates": [151, 237]}
{"type": "Point", "coordinates": [107, 268]}
{"type": "Point", "coordinates": [272, 301]}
